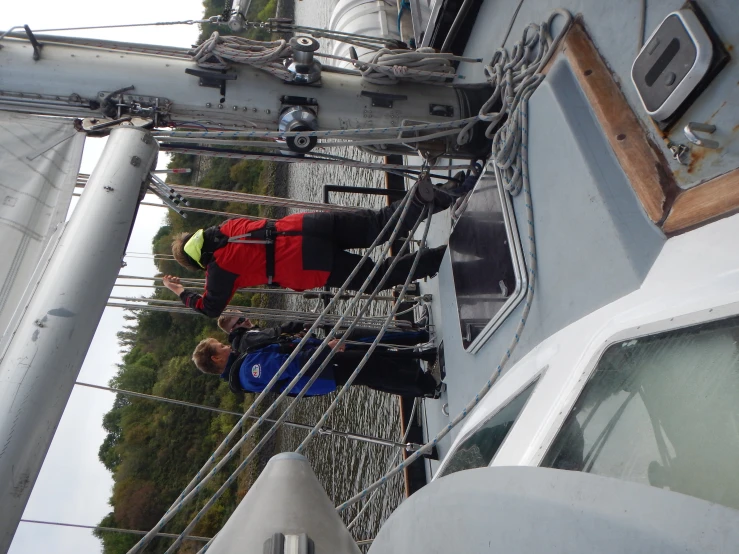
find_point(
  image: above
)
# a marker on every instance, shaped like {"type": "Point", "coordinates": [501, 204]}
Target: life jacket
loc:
{"type": "Point", "coordinates": [252, 371]}
{"type": "Point", "coordinates": [266, 236]}
{"type": "Point", "coordinates": [247, 342]}
{"type": "Point", "coordinates": [302, 258]}
{"type": "Point", "coordinates": [260, 252]}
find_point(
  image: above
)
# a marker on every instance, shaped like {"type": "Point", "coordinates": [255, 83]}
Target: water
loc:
{"type": "Point", "coordinates": [344, 467]}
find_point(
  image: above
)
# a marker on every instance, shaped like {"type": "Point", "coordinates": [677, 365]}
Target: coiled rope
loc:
{"type": "Point", "coordinates": [387, 67]}
{"type": "Point", "coordinates": [425, 65]}
{"type": "Point", "coordinates": [511, 75]}
{"type": "Point", "coordinates": [510, 163]}
{"type": "Point", "coordinates": [219, 52]}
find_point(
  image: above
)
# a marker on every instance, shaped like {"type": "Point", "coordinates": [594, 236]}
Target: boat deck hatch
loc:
{"type": "Point", "coordinates": [486, 262]}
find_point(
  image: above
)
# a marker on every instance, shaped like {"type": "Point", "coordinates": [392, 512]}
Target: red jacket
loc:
{"type": "Point", "coordinates": [235, 265]}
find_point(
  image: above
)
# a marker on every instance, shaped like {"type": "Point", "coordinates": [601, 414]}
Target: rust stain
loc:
{"type": "Point", "coordinates": [735, 128]}
{"type": "Point", "coordinates": [696, 159]}
{"type": "Point", "coordinates": [729, 47]}
{"type": "Point", "coordinates": [718, 110]}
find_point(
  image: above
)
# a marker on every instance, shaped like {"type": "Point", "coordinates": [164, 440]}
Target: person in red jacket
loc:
{"type": "Point", "coordinates": [300, 252]}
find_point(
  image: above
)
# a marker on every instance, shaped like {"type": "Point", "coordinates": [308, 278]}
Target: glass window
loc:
{"type": "Point", "coordinates": [661, 410]}
{"type": "Point", "coordinates": [479, 449]}
{"type": "Point", "coordinates": [486, 275]}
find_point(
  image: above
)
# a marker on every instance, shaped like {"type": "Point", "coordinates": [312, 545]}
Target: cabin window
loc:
{"type": "Point", "coordinates": [661, 410]}
{"type": "Point", "coordinates": [487, 262]}
{"type": "Point", "coordinates": [479, 449]}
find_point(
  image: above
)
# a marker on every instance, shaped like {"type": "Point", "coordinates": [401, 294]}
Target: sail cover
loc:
{"type": "Point", "coordinates": [39, 162]}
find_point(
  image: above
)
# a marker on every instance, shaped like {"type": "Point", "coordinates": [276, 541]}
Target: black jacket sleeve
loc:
{"type": "Point", "coordinates": [251, 339]}
{"type": "Point", "coordinates": [220, 286]}
{"type": "Point", "coordinates": [292, 327]}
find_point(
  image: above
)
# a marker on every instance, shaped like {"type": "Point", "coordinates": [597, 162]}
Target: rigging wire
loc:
{"type": "Point", "coordinates": [241, 155]}
{"type": "Point", "coordinates": [371, 349]}
{"type": "Point", "coordinates": [325, 362]}
{"type": "Point", "coordinates": [374, 131]}
{"type": "Point", "coordinates": [206, 473]}
{"type": "Point", "coordinates": [119, 26]}
{"type": "Point", "coordinates": [390, 463]}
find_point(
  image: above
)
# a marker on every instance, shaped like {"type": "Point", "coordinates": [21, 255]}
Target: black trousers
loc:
{"type": "Point", "coordinates": [359, 229]}
{"type": "Point", "coordinates": [393, 372]}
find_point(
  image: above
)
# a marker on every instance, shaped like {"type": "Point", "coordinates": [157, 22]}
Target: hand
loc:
{"type": "Point", "coordinates": [173, 284]}
{"type": "Point", "coordinates": [332, 344]}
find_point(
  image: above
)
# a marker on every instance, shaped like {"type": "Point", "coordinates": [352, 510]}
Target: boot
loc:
{"type": "Point", "coordinates": [428, 266]}
{"type": "Point", "coordinates": [430, 262]}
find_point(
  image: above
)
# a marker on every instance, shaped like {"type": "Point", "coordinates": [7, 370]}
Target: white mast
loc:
{"type": "Point", "coordinates": [45, 354]}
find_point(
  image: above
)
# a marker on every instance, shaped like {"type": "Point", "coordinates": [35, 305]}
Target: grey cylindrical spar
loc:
{"type": "Point", "coordinates": [285, 506]}
{"type": "Point", "coordinates": [41, 363]}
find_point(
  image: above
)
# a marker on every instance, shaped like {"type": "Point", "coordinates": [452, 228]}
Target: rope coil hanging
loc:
{"type": "Point", "coordinates": [425, 65]}
{"type": "Point", "coordinates": [387, 67]}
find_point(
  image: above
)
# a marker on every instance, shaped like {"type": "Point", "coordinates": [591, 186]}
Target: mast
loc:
{"type": "Point", "coordinates": [49, 344]}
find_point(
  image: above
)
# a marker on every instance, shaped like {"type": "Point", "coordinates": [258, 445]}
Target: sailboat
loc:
{"type": "Point", "coordinates": [588, 304]}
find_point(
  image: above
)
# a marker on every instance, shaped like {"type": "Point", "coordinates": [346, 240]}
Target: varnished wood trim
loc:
{"type": "Point", "coordinates": [643, 164]}
{"type": "Point", "coordinates": [706, 202]}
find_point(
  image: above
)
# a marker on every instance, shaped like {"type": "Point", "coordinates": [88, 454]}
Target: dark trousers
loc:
{"type": "Point", "coordinates": [393, 372]}
{"type": "Point", "coordinates": [359, 229]}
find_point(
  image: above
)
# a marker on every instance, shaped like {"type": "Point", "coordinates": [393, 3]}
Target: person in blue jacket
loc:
{"type": "Point", "coordinates": [257, 355]}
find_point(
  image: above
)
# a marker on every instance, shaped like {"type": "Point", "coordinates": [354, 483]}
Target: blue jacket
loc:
{"type": "Point", "coordinates": [259, 367]}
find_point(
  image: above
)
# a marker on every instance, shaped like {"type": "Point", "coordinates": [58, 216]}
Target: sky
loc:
{"type": "Point", "coordinates": [73, 486]}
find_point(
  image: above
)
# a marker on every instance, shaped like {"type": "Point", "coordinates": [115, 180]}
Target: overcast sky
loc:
{"type": "Point", "coordinates": [73, 486]}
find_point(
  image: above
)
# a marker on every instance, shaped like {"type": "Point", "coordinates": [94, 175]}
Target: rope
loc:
{"type": "Point", "coordinates": [388, 67]}
{"type": "Point", "coordinates": [296, 379]}
{"type": "Point", "coordinates": [281, 146]}
{"type": "Point", "coordinates": [258, 199]}
{"type": "Point", "coordinates": [380, 334]}
{"type": "Point", "coordinates": [390, 463]}
{"type": "Point", "coordinates": [512, 173]}
{"type": "Point", "coordinates": [261, 313]}
{"type": "Point", "coordinates": [510, 75]}
{"type": "Point", "coordinates": [219, 52]}
{"type": "Point", "coordinates": [213, 19]}
{"type": "Point", "coordinates": [340, 36]}
{"type": "Point", "coordinates": [374, 131]}
{"type": "Point", "coordinates": [195, 485]}
{"type": "Point", "coordinates": [241, 155]}
{"type": "Point", "coordinates": [315, 376]}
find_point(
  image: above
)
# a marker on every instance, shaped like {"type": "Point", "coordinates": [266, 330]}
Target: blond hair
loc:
{"type": "Point", "coordinates": [178, 251]}
{"type": "Point", "coordinates": [222, 321]}
{"type": "Point", "coordinates": [203, 357]}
